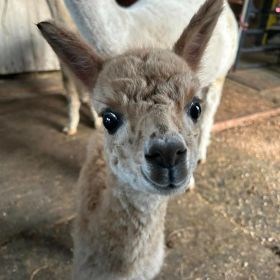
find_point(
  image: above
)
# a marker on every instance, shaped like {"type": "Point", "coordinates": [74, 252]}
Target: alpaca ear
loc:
{"type": "Point", "coordinates": [194, 39]}
{"type": "Point", "coordinates": [78, 56]}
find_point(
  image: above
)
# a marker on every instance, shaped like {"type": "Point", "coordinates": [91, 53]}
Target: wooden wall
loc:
{"type": "Point", "coordinates": [22, 48]}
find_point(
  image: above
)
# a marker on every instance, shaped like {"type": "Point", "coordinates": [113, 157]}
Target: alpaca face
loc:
{"type": "Point", "coordinates": [147, 101]}
{"type": "Point", "coordinates": [151, 118]}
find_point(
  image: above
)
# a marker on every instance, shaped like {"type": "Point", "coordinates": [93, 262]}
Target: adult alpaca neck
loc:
{"type": "Point", "coordinates": [85, 12]}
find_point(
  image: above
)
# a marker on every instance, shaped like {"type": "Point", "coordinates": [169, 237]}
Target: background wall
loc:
{"type": "Point", "coordinates": [22, 48]}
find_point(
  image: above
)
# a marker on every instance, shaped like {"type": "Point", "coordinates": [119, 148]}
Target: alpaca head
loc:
{"type": "Point", "coordinates": [147, 99]}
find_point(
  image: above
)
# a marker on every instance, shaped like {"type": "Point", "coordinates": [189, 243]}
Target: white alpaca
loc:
{"type": "Point", "coordinates": [112, 29]}
{"type": "Point", "coordinates": [151, 114]}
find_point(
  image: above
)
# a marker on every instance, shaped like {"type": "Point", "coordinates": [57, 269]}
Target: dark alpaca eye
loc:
{"type": "Point", "coordinates": [111, 121]}
{"type": "Point", "coordinates": [195, 110]}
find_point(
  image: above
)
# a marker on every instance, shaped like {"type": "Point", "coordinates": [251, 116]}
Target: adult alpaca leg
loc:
{"type": "Point", "coordinates": [84, 95]}
{"type": "Point", "coordinates": [73, 100]}
{"type": "Point", "coordinates": [212, 100]}
{"type": "Point", "coordinates": [74, 90]}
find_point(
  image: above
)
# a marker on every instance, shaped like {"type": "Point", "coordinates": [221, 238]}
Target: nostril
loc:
{"type": "Point", "coordinates": [152, 156]}
{"type": "Point", "coordinates": [181, 152]}
{"type": "Point", "coordinates": [165, 152]}
{"type": "Point", "coordinates": [180, 155]}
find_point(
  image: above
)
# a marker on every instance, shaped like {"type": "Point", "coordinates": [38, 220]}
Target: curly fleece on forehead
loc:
{"type": "Point", "coordinates": [152, 76]}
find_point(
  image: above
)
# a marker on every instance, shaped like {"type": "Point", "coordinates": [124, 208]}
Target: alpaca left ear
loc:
{"type": "Point", "coordinates": [77, 55]}
{"type": "Point", "coordinates": [194, 39]}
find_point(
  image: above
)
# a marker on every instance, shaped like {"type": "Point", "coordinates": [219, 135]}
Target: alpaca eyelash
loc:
{"type": "Point", "coordinates": [197, 99]}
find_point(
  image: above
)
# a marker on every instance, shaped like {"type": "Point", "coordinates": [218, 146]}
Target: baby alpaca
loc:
{"type": "Point", "coordinates": [75, 91]}
{"type": "Point", "coordinates": [151, 114]}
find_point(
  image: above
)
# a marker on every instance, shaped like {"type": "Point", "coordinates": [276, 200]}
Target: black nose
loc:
{"type": "Point", "coordinates": [166, 152]}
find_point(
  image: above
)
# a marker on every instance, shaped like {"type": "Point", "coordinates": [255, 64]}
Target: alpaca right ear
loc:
{"type": "Point", "coordinates": [194, 40]}
{"type": "Point", "coordinates": [78, 56]}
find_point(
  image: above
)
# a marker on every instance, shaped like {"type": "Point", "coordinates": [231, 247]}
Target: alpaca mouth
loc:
{"type": "Point", "coordinates": [167, 182]}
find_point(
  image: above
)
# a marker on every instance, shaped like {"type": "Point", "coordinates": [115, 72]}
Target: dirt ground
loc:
{"type": "Point", "coordinates": [227, 228]}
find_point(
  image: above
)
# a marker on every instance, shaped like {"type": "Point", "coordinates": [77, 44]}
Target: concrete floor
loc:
{"type": "Point", "coordinates": [227, 228]}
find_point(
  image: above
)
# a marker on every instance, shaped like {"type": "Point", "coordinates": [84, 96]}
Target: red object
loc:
{"type": "Point", "coordinates": [243, 25]}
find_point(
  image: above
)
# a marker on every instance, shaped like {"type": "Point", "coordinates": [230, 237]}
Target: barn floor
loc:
{"type": "Point", "coordinates": [227, 228]}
